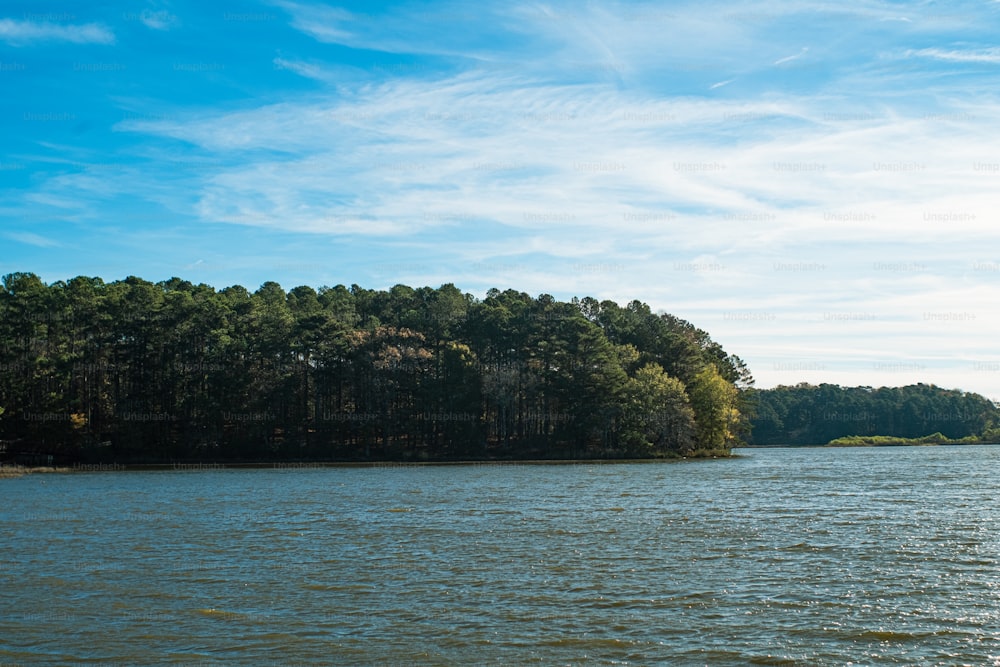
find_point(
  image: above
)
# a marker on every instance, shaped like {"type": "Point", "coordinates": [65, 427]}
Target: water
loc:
{"type": "Point", "coordinates": [779, 557]}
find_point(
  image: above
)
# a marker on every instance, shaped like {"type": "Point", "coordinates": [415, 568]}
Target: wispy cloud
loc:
{"type": "Point", "coordinates": [787, 59]}
{"type": "Point", "coordinates": [20, 33]}
{"type": "Point", "coordinates": [320, 21]}
{"type": "Point", "coordinates": [448, 29]}
{"type": "Point", "coordinates": [159, 19]}
{"type": "Point", "coordinates": [30, 238]}
{"type": "Point", "coordinates": [988, 55]}
{"type": "Point", "coordinates": [308, 70]}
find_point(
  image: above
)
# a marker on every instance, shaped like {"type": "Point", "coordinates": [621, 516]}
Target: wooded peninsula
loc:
{"type": "Point", "coordinates": [138, 372]}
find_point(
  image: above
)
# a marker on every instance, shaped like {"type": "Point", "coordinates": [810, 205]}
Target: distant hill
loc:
{"type": "Point", "coordinates": [816, 414]}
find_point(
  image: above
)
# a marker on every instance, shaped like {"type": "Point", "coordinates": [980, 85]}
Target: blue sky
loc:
{"type": "Point", "coordinates": [815, 184]}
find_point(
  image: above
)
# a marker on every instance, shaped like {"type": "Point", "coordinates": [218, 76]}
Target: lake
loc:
{"type": "Point", "coordinates": [883, 556]}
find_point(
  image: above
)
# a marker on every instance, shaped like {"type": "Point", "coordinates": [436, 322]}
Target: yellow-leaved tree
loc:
{"type": "Point", "coordinates": [715, 408]}
{"type": "Point", "coordinates": [657, 415]}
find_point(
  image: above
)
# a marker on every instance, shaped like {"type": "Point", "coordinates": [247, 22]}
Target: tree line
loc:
{"type": "Point", "coordinates": [135, 371]}
{"type": "Point", "coordinates": [808, 414]}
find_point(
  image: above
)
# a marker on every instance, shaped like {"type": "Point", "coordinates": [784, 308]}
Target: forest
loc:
{"type": "Point", "coordinates": [133, 371]}
{"type": "Point", "coordinates": [818, 414]}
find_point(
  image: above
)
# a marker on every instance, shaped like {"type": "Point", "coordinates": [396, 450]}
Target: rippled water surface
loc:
{"type": "Point", "coordinates": [777, 557]}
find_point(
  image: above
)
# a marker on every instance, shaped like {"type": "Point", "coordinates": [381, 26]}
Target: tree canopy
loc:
{"type": "Point", "coordinates": [156, 372]}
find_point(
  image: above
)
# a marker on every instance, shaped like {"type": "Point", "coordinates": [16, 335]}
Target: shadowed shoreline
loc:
{"type": "Point", "coordinates": [14, 470]}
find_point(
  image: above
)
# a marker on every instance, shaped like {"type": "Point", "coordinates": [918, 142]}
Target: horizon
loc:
{"type": "Point", "coordinates": [813, 186]}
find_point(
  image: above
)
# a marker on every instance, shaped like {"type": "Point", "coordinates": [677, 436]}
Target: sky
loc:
{"type": "Point", "coordinates": [815, 184]}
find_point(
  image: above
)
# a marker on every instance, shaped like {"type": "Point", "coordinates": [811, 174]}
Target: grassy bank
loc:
{"type": "Point", "coordinates": [893, 441]}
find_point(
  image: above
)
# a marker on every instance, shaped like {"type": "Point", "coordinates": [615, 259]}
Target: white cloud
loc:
{"type": "Point", "coordinates": [589, 160]}
{"type": "Point", "coordinates": [302, 69]}
{"type": "Point", "coordinates": [19, 33]}
{"type": "Point", "coordinates": [158, 20]}
{"type": "Point", "coordinates": [787, 59]}
{"type": "Point", "coordinates": [30, 238]}
{"type": "Point", "coordinates": [319, 21]}
{"type": "Point", "coordinates": [989, 55]}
